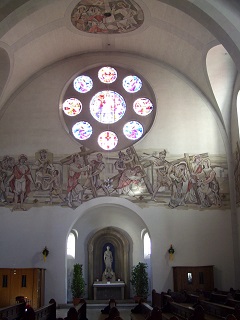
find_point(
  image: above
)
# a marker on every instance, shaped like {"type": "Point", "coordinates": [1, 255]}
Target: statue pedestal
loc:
{"type": "Point", "coordinates": [108, 290]}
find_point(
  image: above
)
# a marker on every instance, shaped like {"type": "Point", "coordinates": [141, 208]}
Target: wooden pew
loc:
{"type": "Point", "coordinates": [156, 302]}
{"type": "Point", "coordinates": [157, 299]}
{"type": "Point", "coordinates": [18, 311]}
{"type": "Point", "coordinates": [216, 309]}
{"type": "Point", "coordinates": [232, 303]}
{"type": "Point", "coordinates": [186, 309]}
{"type": "Point", "coordinates": [170, 308]}
{"type": "Point", "coordinates": [218, 298]}
{"type": "Point", "coordinates": [47, 312]}
{"type": "Point", "coordinates": [13, 312]}
{"type": "Point", "coordinates": [193, 298]}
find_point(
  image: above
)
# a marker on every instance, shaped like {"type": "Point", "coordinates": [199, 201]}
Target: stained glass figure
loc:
{"type": "Point", "coordinates": [133, 130]}
{"type": "Point", "coordinates": [82, 130]}
{"type": "Point", "coordinates": [107, 140]}
{"type": "Point", "coordinates": [83, 84]}
{"type": "Point", "coordinates": [72, 107]}
{"type": "Point", "coordinates": [107, 75]}
{"type": "Point", "coordinates": [132, 84]}
{"type": "Point", "coordinates": [107, 106]}
{"type": "Point", "coordinates": [142, 106]}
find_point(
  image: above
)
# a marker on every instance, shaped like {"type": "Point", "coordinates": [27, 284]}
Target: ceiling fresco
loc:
{"type": "Point", "coordinates": [107, 16]}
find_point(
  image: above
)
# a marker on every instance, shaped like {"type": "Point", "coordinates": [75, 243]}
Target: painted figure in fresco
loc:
{"type": "Point", "coordinates": [56, 189]}
{"type": "Point", "coordinates": [79, 17]}
{"type": "Point", "coordinates": [96, 20]}
{"type": "Point", "coordinates": [43, 175]}
{"type": "Point", "coordinates": [208, 186]}
{"type": "Point", "coordinates": [6, 168]}
{"type": "Point", "coordinates": [120, 166]}
{"type": "Point", "coordinates": [96, 169]}
{"type": "Point", "coordinates": [129, 179]}
{"type": "Point", "coordinates": [161, 165]}
{"type": "Point", "coordinates": [127, 20]}
{"type": "Point", "coordinates": [203, 187]}
{"type": "Point", "coordinates": [74, 188]}
{"type": "Point", "coordinates": [195, 168]}
{"type": "Point", "coordinates": [132, 176]}
{"type": "Point", "coordinates": [130, 159]}
{"type": "Point", "coordinates": [9, 170]}
{"type": "Point", "coordinates": [178, 175]}
{"type": "Point", "coordinates": [20, 181]}
{"type": "Point", "coordinates": [2, 179]}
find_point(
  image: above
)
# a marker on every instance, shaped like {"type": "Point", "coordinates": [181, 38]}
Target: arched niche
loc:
{"type": "Point", "coordinates": [96, 245]}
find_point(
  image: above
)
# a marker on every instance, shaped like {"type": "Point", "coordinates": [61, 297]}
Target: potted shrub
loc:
{"type": "Point", "coordinates": [78, 284]}
{"type": "Point", "coordinates": [139, 281]}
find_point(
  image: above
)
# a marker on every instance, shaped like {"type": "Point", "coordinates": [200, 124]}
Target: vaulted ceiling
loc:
{"type": "Point", "coordinates": [35, 34]}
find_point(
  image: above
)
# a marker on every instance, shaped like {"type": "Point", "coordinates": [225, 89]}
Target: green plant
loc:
{"type": "Point", "coordinates": [78, 284]}
{"type": "Point", "coordinates": [139, 280]}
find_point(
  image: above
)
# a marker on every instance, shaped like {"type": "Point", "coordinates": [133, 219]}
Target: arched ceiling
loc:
{"type": "Point", "coordinates": [36, 34]}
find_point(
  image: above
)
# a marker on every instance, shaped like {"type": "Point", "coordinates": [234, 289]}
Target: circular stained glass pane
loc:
{"type": "Point", "coordinates": [133, 130]}
{"type": "Point", "coordinates": [107, 106]}
{"type": "Point", "coordinates": [82, 130]}
{"type": "Point", "coordinates": [107, 75]}
{"type": "Point", "coordinates": [132, 84]}
{"type": "Point", "coordinates": [142, 106]}
{"type": "Point", "coordinates": [83, 84]}
{"type": "Point", "coordinates": [107, 140]}
{"type": "Point", "coordinates": [72, 107]}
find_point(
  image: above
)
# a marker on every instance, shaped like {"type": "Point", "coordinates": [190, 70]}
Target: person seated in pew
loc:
{"type": "Point", "coordinates": [179, 296]}
{"type": "Point", "coordinates": [156, 314]}
{"type": "Point", "coordinates": [72, 314]}
{"type": "Point", "coordinates": [139, 308]}
{"type": "Point", "coordinates": [198, 313]}
{"type": "Point", "coordinates": [29, 314]}
{"type": "Point", "coordinates": [113, 314]}
{"type": "Point", "coordinates": [231, 294]}
{"type": "Point", "coordinates": [82, 311]}
{"type": "Point", "coordinates": [112, 303]}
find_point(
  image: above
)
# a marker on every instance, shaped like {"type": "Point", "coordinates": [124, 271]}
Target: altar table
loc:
{"type": "Point", "coordinates": [107, 290]}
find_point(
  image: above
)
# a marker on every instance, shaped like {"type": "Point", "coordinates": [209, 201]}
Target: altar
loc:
{"type": "Point", "coordinates": [106, 290]}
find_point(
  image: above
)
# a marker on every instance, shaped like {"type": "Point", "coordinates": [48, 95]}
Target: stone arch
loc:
{"type": "Point", "coordinates": [121, 244]}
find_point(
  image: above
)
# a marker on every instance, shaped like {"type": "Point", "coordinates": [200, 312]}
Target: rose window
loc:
{"type": "Point", "coordinates": [107, 108]}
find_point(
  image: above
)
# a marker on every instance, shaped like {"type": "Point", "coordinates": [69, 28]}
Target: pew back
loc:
{"type": "Point", "coordinates": [13, 312]}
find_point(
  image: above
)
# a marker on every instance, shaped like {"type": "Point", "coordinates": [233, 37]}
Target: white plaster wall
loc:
{"type": "Point", "coordinates": [199, 238]}
{"type": "Point", "coordinates": [184, 123]}
{"type": "Point", "coordinates": [184, 120]}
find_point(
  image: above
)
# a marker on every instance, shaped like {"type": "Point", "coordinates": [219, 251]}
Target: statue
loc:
{"type": "Point", "coordinates": [108, 259]}
{"type": "Point", "coordinates": [108, 273]}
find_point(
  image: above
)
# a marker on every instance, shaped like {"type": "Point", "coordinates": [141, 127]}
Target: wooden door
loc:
{"type": "Point", "coordinates": [193, 278]}
{"type": "Point", "coordinates": [4, 287]}
{"type": "Point", "coordinates": [27, 282]}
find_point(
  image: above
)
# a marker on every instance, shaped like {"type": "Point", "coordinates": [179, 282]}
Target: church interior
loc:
{"type": "Point", "coordinates": [119, 129]}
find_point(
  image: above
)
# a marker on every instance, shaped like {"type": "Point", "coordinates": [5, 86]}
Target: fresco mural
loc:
{"type": "Point", "coordinates": [107, 16]}
{"type": "Point", "coordinates": [147, 178]}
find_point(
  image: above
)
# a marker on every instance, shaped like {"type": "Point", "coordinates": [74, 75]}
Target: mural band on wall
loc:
{"type": "Point", "coordinates": [146, 178]}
